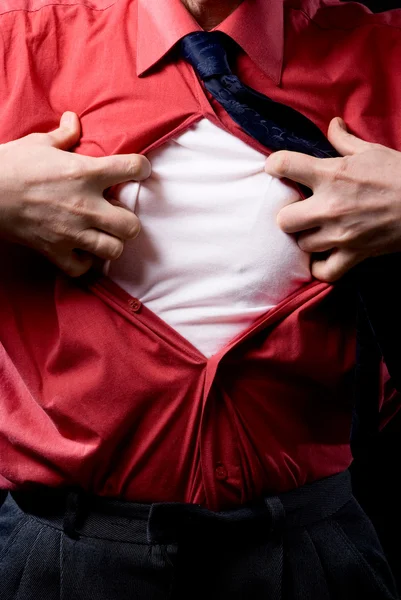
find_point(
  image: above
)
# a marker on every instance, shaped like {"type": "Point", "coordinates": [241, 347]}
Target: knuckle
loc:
{"type": "Point", "coordinates": [57, 230]}
{"type": "Point", "coordinates": [115, 249]}
{"type": "Point", "coordinates": [138, 166]}
{"type": "Point", "coordinates": [80, 239]}
{"type": "Point", "coordinates": [133, 228]}
{"type": "Point", "coordinates": [143, 163]}
{"type": "Point", "coordinates": [121, 163]}
{"type": "Point", "coordinates": [331, 206]}
{"type": "Point", "coordinates": [78, 206]}
{"type": "Point", "coordinates": [103, 246]}
{"type": "Point", "coordinates": [344, 236]}
{"type": "Point", "coordinates": [334, 208]}
{"type": "Point", "coordinates": [281, 162]}
{"type": "Point", "coordinates": [75, 168]}
{"type": "Point", "coordinates": [338, 169]}
{"type": "Point", "coordinates": [134, 163]}
{"type": "Point", "coordinates": [75, 268]}
{"type": "Point", "coordinates": [132, 166]}
{"type": "Point", "coordinates": [64, 263]}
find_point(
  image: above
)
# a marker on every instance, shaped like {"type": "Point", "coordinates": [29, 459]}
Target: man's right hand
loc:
{"type": "Point", "coordinates": [52, 200]}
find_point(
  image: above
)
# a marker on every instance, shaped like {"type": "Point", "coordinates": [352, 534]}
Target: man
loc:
{"type": "Point", "coordinates": [180, 427]}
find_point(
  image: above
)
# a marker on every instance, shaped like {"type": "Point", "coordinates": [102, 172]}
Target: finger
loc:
{"type": "Point", "coordinates": [67, 134]}
{"type": "Point", "coordinates": [315, 240]}
{"type": "Point", "coordinates": [344, 142]}
{"type": "Point", "coordinates": [112, 170]}
{"type": "Point", "coordinates": [117, 220]}
{"type": "Point", "coordinates": [73, 263]}
{"type": "Point", "coordinates": [300, 216]}
{"type": "Point", "coordinates": [334, 267]}
{"type": "Point", "coordinates": [298, 167]}
{"type": "Point", "coordinates": [99, 244]}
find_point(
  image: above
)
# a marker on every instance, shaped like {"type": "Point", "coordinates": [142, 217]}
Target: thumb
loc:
{"type": "Point", "coordinates": [68, 132]}
{"type": "Point", "coordinates": [344, 142]}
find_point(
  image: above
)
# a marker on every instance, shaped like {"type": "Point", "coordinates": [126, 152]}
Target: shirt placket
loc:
{"type": "Point", "coordinates": [221, 463]}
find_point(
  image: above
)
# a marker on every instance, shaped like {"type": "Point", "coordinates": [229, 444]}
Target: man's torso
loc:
{"type": "Point", "coordinates": [97, 389]}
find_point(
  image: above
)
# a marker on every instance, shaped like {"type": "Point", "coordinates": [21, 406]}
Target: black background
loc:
{"type": "Point", "coordinates": [381, 5]}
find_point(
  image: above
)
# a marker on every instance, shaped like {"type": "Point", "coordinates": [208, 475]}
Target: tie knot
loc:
{"type": "Point", "coordinates": [204, 50]}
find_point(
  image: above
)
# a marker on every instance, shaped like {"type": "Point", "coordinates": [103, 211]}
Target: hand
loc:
{"type": "Point", "coordinates": [53, 201]}
{"type": "Point", "coordinates": [355, 210]}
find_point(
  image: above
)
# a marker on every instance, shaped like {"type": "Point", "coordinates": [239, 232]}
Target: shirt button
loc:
{"type": "Point", "coordinates": [221, 472]}
{"type": "Point", "coordinates": [134, 305]}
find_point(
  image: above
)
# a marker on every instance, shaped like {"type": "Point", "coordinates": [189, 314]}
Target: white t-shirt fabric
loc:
{"type": "Point", "coordinates": [210, 258]}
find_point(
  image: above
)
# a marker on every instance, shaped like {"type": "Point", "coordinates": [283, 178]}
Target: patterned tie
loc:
{"type": "Point", "coordinates": [274, 125]}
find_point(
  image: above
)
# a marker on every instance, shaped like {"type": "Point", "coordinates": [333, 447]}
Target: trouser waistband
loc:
{"type": "Point", "coordinates": [80, 514]}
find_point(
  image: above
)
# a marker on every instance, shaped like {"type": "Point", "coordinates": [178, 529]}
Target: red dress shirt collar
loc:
{"type": "Point", "coordinates": [165, 22]}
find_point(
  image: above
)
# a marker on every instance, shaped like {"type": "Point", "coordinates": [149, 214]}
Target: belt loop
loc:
{"type": "Point", "coordinates": [74, 514]}
{"type": "Point", "coordinates": [277, 512]}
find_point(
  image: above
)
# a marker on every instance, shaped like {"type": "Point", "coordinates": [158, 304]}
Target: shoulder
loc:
{"type": "Point", "coordinates": [352, 56]}
{"type": "Point", "coordinates": [33, 6]}
{"type": "Point", "coordinates": [348, 30]}
{"type": "Point", "coordinates": [340, 15]}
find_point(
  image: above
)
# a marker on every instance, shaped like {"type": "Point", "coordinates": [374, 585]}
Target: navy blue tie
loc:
{"type": "Point", "coordinates": [275, 125]}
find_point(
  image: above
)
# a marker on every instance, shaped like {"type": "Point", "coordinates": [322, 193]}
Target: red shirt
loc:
{"type": "Point", "coordinates": [95, 389]}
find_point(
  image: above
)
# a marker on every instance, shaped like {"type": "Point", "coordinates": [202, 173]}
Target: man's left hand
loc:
{"type": "Point", "coordinates": [355, 210]}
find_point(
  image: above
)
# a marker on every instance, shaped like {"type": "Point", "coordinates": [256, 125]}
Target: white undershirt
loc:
{"type": "Point", "coordinates": [210, 257]}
